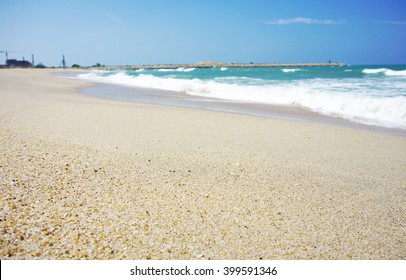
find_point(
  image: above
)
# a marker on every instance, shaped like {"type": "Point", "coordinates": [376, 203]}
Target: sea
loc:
{"type": "Point", "coordinates": [367, 94]}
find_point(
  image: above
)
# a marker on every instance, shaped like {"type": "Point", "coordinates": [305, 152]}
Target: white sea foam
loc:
{"type": "Point", "coordinates": [396, 73]}
{"type": "Point", "coordinates": [185, 69]}
{"type": "Point", "coordinates": [353, 99]}
{"type": "Point", "coordinates": [374, 71]}
{"type": "Point", "coordinates": [180, 69]}
{"type": "Point", "coordinates": [139, 70]}
{"type": "Point", "coordinates": [290, 70]}
{"type": "Point", "coordinates": [385, 71]}
{"type": "Point", "coordinates": [223, 68]}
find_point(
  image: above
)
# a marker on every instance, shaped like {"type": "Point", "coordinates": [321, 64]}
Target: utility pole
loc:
{"type": "Point", "coordinates": [32, 58]}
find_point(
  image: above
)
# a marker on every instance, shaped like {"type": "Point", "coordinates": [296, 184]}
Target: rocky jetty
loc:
{"type": "Point", "coordinates": [209, 64]}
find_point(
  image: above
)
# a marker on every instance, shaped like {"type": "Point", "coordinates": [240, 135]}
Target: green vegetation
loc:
{"type": "Point", "coordinates": [40, 65]}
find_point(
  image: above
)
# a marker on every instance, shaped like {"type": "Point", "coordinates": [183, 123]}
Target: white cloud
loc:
{"type": "Point", "coordinates": [302, 20]}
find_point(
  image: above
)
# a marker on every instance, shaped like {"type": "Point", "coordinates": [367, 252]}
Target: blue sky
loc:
{"type": "Point", "coordinates": [120, 32]}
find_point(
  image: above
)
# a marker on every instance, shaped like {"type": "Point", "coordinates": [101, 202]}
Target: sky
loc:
{"type": "Point", "coordinates": [137, 32]}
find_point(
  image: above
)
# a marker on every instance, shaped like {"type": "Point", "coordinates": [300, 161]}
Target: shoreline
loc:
{"type": "Point", "coordinates": [91, 178]}
{"type": "Point", "coordinates": [179, 99]}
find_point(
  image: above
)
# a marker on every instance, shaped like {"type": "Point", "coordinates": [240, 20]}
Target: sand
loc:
{"type": "Point", "coordinates": [88, 178]}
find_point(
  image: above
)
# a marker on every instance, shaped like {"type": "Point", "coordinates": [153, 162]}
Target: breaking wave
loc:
{"type": "Point", "coordinates": [290, 70]}
{"type": "Point", "coordinates": [385, 71]}
{"type": "Point", "coordinates": [360, 100]}
{"type": "Point", "coordinates": [180, 69]}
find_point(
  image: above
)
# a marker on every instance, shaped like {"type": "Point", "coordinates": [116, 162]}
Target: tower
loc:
{"type": "Point", "coordinates": [63, 61]}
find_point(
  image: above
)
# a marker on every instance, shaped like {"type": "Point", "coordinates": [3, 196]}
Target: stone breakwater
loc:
{"type": "Point", "coordinates": [218, 64]}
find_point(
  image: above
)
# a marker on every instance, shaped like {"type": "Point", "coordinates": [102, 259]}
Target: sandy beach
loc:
{"type": "Point", "coordinates": [86, 178]}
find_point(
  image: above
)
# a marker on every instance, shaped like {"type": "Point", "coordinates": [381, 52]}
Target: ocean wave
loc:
{"type": "Point", "coordinates": [290, 70]}
{"type": "Point", "coordinates": [242, 80]}
{"type": "Point", "coordinates": [180, 69]}
{"type": "Point", "coordinates": [374, 71]}
{"type": "Point", "coordinates": [223, 68]}
{"type": "Point", "coordinates": [355, 100]}
{"type": "Point", "coordinates": [396, 73]}
{"type": "Point", "coordinates": [185, 69]}
{"type": "Point", "coordinates": [385, 71]}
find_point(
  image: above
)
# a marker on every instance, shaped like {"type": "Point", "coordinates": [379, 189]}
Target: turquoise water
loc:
{"type": "Point", "coordinates": [374, 95]}
{"type": "Point", "coordinates": [274, 73]}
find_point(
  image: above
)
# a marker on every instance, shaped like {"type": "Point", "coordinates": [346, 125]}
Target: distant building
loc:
{"type": "Point", "coordinates": [18, 63]}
